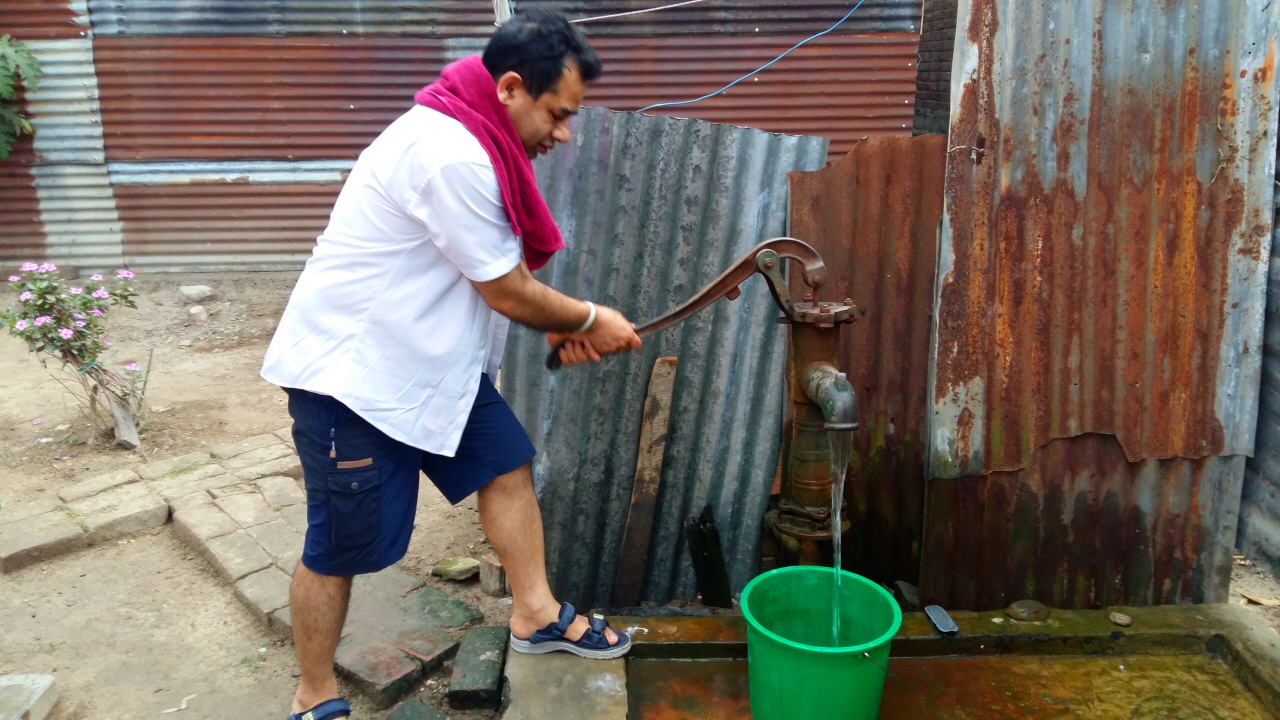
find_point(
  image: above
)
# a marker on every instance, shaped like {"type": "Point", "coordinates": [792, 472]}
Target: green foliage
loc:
{"type": "Point", "coordinates": [17, 65]}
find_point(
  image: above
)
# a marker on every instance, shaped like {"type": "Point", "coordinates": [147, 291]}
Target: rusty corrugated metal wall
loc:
{"type": "Point", "coordinates": [290, 83]}
{"type": "Point", "coordinates": [1100, 299]}
{"type": "Point", "coordinates": [873, 215]}
{"type": "Point", "coordinates": [632, 247]}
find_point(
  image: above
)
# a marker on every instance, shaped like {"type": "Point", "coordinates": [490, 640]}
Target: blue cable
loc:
{"type": "Point", "coordinates": [762, 68]}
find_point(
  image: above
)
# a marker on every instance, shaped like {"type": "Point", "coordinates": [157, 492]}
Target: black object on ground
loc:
{"type": "Point", "coordinates": [941, 619]}
{"type": "Point", "coordinates": [708, 560]}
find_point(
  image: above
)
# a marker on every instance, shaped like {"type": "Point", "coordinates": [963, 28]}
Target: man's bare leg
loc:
{"type": "Point", "coordinates": [512, 519]}
{"type": "Point", "coordinates": [317, 607]}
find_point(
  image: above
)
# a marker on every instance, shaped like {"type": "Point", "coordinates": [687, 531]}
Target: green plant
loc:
{"type": "Point", "coordinates": [17, 64]}
{"type": "Point", "coordinates": [68, 321]}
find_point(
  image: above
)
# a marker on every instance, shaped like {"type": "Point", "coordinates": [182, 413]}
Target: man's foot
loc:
{"type": "Point", "coordinates": [592, 644]}
{"type": "Point", "coordinates": [524, 625]}
{"type": "Point", "coordinates": [334, 709]}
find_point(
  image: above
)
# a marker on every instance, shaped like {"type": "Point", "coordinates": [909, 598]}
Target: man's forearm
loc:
{"type": "Point", "coordinates": [519, 296]}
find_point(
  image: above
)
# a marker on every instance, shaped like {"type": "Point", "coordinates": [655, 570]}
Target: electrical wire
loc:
{"type": "Point", "coordinates": [636, 12]}
{"type": "Point", "coordinates": [761, 68]}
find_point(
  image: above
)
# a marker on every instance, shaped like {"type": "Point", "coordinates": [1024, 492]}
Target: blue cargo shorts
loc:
{"type": "Point", "coordinates": [362, 486]}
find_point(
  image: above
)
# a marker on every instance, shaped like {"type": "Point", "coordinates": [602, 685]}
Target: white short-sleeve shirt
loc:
{"type": "Point", "coordinates": [384, 317]}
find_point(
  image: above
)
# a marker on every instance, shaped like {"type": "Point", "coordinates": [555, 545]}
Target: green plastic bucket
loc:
{"type": "Point", "coordinates": [796, 672]}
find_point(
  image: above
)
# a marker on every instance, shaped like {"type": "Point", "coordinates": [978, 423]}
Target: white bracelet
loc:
{"type": "Point", "coordinates": [591, 319]}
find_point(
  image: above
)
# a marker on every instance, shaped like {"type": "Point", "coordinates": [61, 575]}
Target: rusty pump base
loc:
{"type": "Point", "coordinates": [821, 397]}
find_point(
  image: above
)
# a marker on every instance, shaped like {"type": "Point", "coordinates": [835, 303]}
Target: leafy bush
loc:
{"type": "Point", "coordinates": [16, 64]}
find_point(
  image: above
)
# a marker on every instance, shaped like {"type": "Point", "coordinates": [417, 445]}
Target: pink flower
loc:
{"type": "Point", "coordinates": [104, 341]}
{"type": "Point", "coordinates": [96, 313]}
{"type": "Point", "coordinates": [28, 267]}
{"type": "Point", "coordinates": [15, 278]}
{"type": "Point", "coordinates": [123, 274]}
{"type": "Point", "coordinates": [131, 367]}
{"type": "Point", "coordinates": [36, 421]}
{"type": "Point", "coordinates": [42, 320]}
{"type": "Point", "coordinates": [20, 325]}
{"type": "Point", "coordinates": [101, 294]}
{"type": "Point", "coordinates": [95, 278]}
{"type": "Point", "coordinates": [78, 316]}
{"type": "Point", "coordinates": [24, 296]}
{"type": "Point", "coordinates": [75, 290]}
{"type": "Point", "coordinates": [79, 323]}
{"type": "Point", "coordinates": [46, 268]}
{"type": "Point", "coordinates": [66, 333]}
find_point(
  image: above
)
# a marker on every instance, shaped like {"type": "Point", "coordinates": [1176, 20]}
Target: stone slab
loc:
{"type": "Point", "coordinates": [171, 492]}
{"type": "Point", "coordinates": [476, 681]}
{"type": "Point", "coordinates": [296, 516]}
{"type": "Point", "coordinates": [235, 488]}
{"type": "Point", "coordinates": [248, 509]}
{"type": "Point", "coordinates": [39, 538]}
{"type": "Point", "coordinates": [236, 555]}
{"type": "Point", "coordinates": [144, 513]}
{"type": "Point", "coordinates": [414, 710]}
{"type": "Point", "coordinates": [289, 466]}
{"type": "Point", "coordinates": [97, 484]}
{"type": "Point", "coordinates": [174, 466]}
{"type": "Point", "coordinates": [14, 513]}
{"type": "Point", "coordinates": [198, 524]}
{"type": "Point", "coordinates": [433, 608]}
{"type": "Point", "coordinates": [264, 592]}
{"type": "Point", "coordinates": [257, 457]}
{"type": "Point", "coordinates": [179, 504]}
{"type": "Point", "coordinates": [429, 647]}
{"type": "Point", "coordinates": [285, 434]}
{"type": "Point", "coordinates": [280, 491]}
{"type": "Point", "coordinates": [27, 697]}
{"type": "Point", "coordinates": [200, 473]}
{"type": "Point", "coordinates": [560, 686]}
{"type": "Point", "coordinates": [281, 542]}
{"type": "Point", "coordinates": [378, 669]}
{"type": "Point", "coordinates": [109, 500]}
{"type": "Point", "coordinates": [230, 450]}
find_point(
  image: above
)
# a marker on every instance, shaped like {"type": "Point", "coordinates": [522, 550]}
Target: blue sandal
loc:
{"type": "Point", "coordinates": [327, 710]}
{"type": "Point", "coordinates": [593, 644]}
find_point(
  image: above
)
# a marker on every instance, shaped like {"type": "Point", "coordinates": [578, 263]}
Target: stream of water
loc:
{"type": "Point", "coordinates": [841, 447]}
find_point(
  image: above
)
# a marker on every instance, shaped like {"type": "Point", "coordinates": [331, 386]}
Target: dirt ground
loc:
{"type": "Point", "coordinates": [131, 628]}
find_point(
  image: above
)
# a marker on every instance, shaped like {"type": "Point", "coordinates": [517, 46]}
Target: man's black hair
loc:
{"type": "Point", "coordinates": [536, 44]}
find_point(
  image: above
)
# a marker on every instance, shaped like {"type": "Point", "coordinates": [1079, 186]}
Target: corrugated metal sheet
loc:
{"type": "Point", "coordinates": [1259, 532]}
{"type": "Point", "coordinates": [743, 17]}
{"type": "Point", "coordinates": [296, 98]}
{"type": "Point", "coordinates": [1108, 223]}
{"type": "Point", "coordinates": [874, 217]}
{"type": "Point", "coordinates": [256, 98]}
{"type": "Point", "coordinates": [44, 19]}
{"type": "Point", "coordinates": [842, 87]}
{"type": "Point", "coordinates": [21, 234]}
{"type": "Point", "coordinates": [1082, 527]}
{"type": "Point", "coordinates": [223, 225]}
{"type": "Point", "coordinates": [430, 18]}
{"type": "Point", "coordinates": [652, 209]}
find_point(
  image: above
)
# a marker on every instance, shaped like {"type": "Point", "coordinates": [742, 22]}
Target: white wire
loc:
{"type": "Point", "coordinates": [759, 69]}
{"type": "Point", "coordinates": [636, 12]}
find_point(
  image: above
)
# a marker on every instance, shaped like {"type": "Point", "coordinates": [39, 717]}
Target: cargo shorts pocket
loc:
{"type": "Point", "coordinates": [355, 515]}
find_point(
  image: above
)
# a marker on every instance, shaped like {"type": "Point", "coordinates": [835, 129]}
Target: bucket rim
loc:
{"type": "Point", "coordinates": [744, 603]}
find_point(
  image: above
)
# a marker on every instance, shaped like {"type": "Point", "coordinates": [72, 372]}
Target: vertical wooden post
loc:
{"type": "Point", "coordinates": [634, 560]}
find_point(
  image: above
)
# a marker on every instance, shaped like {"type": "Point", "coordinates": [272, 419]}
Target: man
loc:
{"type": "Point", "coordinates": [396, 327]}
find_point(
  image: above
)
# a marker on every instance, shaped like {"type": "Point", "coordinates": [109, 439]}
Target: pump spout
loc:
{"type": "Point", "coordinates": [829, 389]}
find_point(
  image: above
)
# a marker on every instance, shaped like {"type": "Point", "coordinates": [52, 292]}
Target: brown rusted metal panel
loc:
{"type": "Point", "coordinates": [41, 20]}
{"type": "Point", "coordinates": [744, 17]}
{"type": "Point", "coordinates": [873, 215]}
{"type": "Point", "coordinates": [1109, 209]}
{"type": "Point", "coordinates": [841, 87]}
{"type": "Point", "coordinates": [307, 98]}
{"type": "Point", "coordinates": [223, 224]}
{"type": "Point", "coordinates": [217, 98]}
{"type": "Point", "coordinates": [22, 235]}
{"type": "Point", "coordinates": [1082, 527]}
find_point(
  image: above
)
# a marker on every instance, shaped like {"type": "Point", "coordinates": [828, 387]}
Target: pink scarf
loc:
{"type": "Point", "coordinates": [467, 93]}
